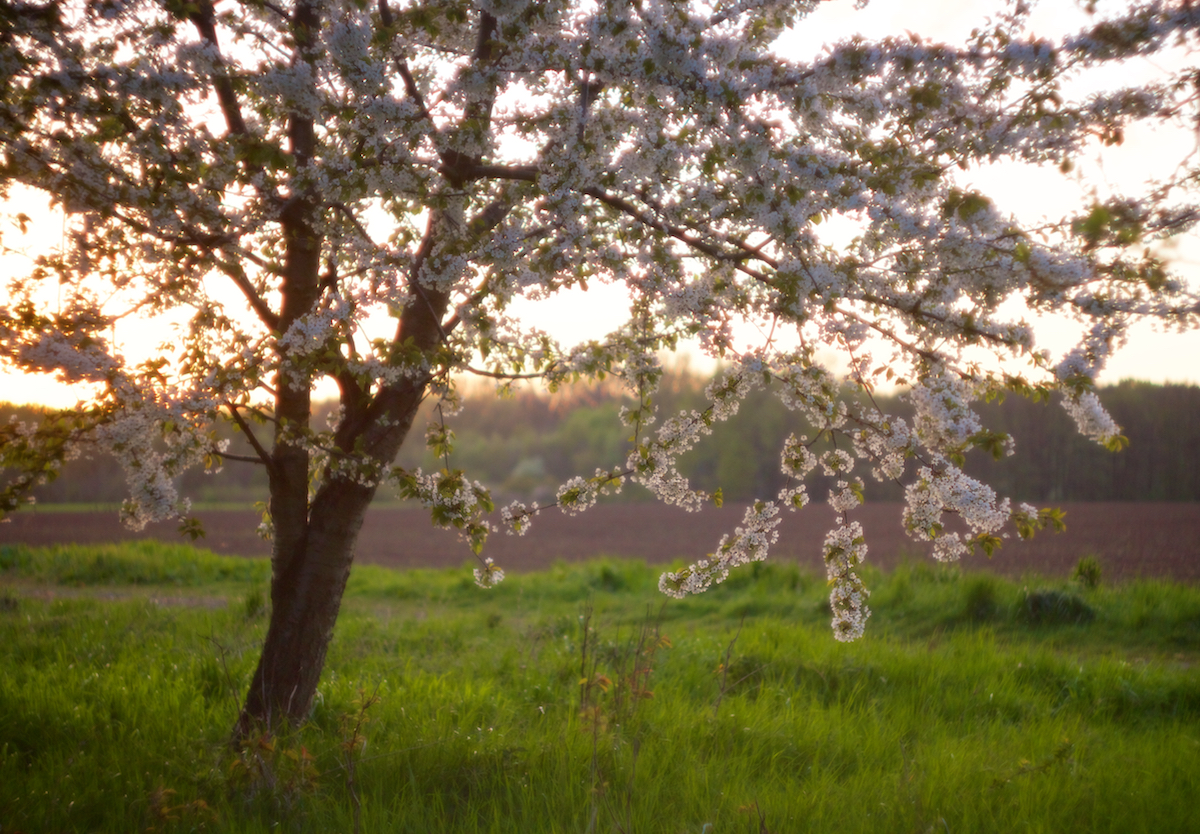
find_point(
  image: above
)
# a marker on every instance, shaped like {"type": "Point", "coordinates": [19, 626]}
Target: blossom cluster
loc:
{"type": "Point", "coordinates": [653, 463]}
{"type": "Point", "coordinates": [1091, 418]}
{"type": "Point", "coordinates": [154, 444]}
{"type": "Point", "coordinates": [943, 417]}
{"type": "Point", "coordinates": [515, 518]}
{"type": "Point", "coordinates": [490, 575]}
{"type": "Point", "coordinates": [454, 502]}
{"type": "Point", "coordinates": [845, 548]}
{"type": "Point", "coordinates": [748, 543]}
{"type": "Point", "coordinates": [948, 489]}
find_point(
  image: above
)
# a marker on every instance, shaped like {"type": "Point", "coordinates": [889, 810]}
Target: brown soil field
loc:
{"type": "Point", "coordinates": [1130, 540]}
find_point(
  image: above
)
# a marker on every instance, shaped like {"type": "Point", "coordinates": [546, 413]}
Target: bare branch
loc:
{"type": "Point", "coordinates": [237, 275]}
{"type": "Point", "coordinates": [205, 20]}
{"type": "Point", "coordinates": [240, 458]}
{"type": "Point", "coordinates": [264, 456]}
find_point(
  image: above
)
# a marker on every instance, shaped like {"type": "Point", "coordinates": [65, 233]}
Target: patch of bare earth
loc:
{"type": "Point", "coordinates": [1129, 539]}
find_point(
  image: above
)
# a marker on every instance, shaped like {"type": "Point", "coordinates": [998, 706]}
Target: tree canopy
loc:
{"type": "Point", "coordinates": [332, 189]}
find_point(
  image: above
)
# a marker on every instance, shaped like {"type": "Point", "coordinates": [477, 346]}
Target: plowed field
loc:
{"type": "Point", "coordinates": [1130, 540]}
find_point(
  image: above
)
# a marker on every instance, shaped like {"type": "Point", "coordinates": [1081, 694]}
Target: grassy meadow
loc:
{"type": "Point", "coordinates": [580, 700]}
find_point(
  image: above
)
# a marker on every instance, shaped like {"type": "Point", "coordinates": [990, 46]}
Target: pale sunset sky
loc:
{"type": "Point", "coordinates": [1023, 190]}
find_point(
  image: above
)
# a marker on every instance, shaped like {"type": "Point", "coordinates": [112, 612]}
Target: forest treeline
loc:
{"type": "Point", "coordinates": [526, 444]}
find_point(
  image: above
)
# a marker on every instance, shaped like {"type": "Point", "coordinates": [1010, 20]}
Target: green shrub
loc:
{"type": "Point", "coordinates": [980, 599]}
{"type": "Point", "coordinates": [254, 605]}
{"type": "Point", "coordinates": [1051, 607]}
{"type": "Point", "coordinates": [1088, 572]}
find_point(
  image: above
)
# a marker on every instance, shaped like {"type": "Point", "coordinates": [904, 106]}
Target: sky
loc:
{"type": "Point", "coordinates": [1024, 190]}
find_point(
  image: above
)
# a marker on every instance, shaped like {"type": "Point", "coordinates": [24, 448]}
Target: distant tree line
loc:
{"type": "Point", "coordinates": [526, 444]}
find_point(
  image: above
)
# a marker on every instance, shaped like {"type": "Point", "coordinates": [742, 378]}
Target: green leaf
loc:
{"type": "Point", "coordinates": [191, 527]}
{"type": "Point", "coordinates": [1116, 443]}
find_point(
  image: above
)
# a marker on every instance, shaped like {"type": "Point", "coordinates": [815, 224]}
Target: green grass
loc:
{"type": "Point", "coordinates": [527, 708]}
{"type": "Point", "coordinates": [69, 507]}
{"type": "Point", "coordinates": [131, 563]}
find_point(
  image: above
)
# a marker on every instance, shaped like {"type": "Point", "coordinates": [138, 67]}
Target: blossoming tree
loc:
{"type": "Point", "coordinates": [334, 189]}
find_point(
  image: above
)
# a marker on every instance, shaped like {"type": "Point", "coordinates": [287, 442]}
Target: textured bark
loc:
{"type": "Point", "coordinates": [306, 596]}
{"type": "Point", "coordinates": [314, 540]}
{"type": "Point", "coordinates": [309, 579]}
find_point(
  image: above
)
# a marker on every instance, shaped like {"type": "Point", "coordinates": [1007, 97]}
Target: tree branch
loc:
{"type": "Point", "coordinates": [467, 170]}
{"type": "Point", "coordinates": [588, 92]}
{"type": "Point", "coordinates": [681, 234]}
{"type": "Point", "coordinates": [264, 457]}
{"type": "Point", "coordinates": [498, 375]}
{"type": "Point", "coordinates": [205, 20]}
{"type": "Point", "coordinates": [237, 275]}
{"type": "Point", "coordinates": [489, 218]}
{"type": "Point", "coordinates": [241, 458]}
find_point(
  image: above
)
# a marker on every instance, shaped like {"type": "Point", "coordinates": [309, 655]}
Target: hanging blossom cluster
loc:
{"type": "Point", "coordinates": [1091, 417]}
{"type": "Point", "coordinates": [489, 575]}
{"type": "Point", "coordinates": [654, 463]}
{"type": "Point", "coordinates": [947, 489]}
{"type": "Point", "coordinates": [577, 495]}
{"type": "Point", "coordinates": [515, 518]}
{"type": "Point", "coordinates": [1076, 369]}
{"type": "Point", "coordinates": [454, 502]}
{"type": "Point", "coordinates": [748, 543]}
{"type": "Point", "coordinates": [154, 444]}
{"type": "Point", "coordinates": [845, 549]}
{"type": "Point", "coordinates": [76, 357]}
{"type": "Point", "coordinates": [312, 331]}
{"type": "Point", "coordinates": [943, 416]}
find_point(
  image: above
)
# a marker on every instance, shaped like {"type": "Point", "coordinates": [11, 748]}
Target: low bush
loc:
{"type": "Point", "coordinates": [1053, 607]}
{"type": "Point", "coordinates": [1088, 572]}
{"type": "Point", "coordinates": [981, 598]}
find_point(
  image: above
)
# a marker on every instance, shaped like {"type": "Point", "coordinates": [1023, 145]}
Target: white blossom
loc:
{"type": "Point", "coordinates": [490, 575]}
{"type": "Point", "coordinates": [1091, 418]}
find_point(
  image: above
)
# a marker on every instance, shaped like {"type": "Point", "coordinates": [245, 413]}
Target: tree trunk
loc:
{"type": "Point", "coordinates": [306, 595]}
{"type": "Point", "coordinates": [315, 540]}
{"type": "Point", "coordinates": [309, 569]}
